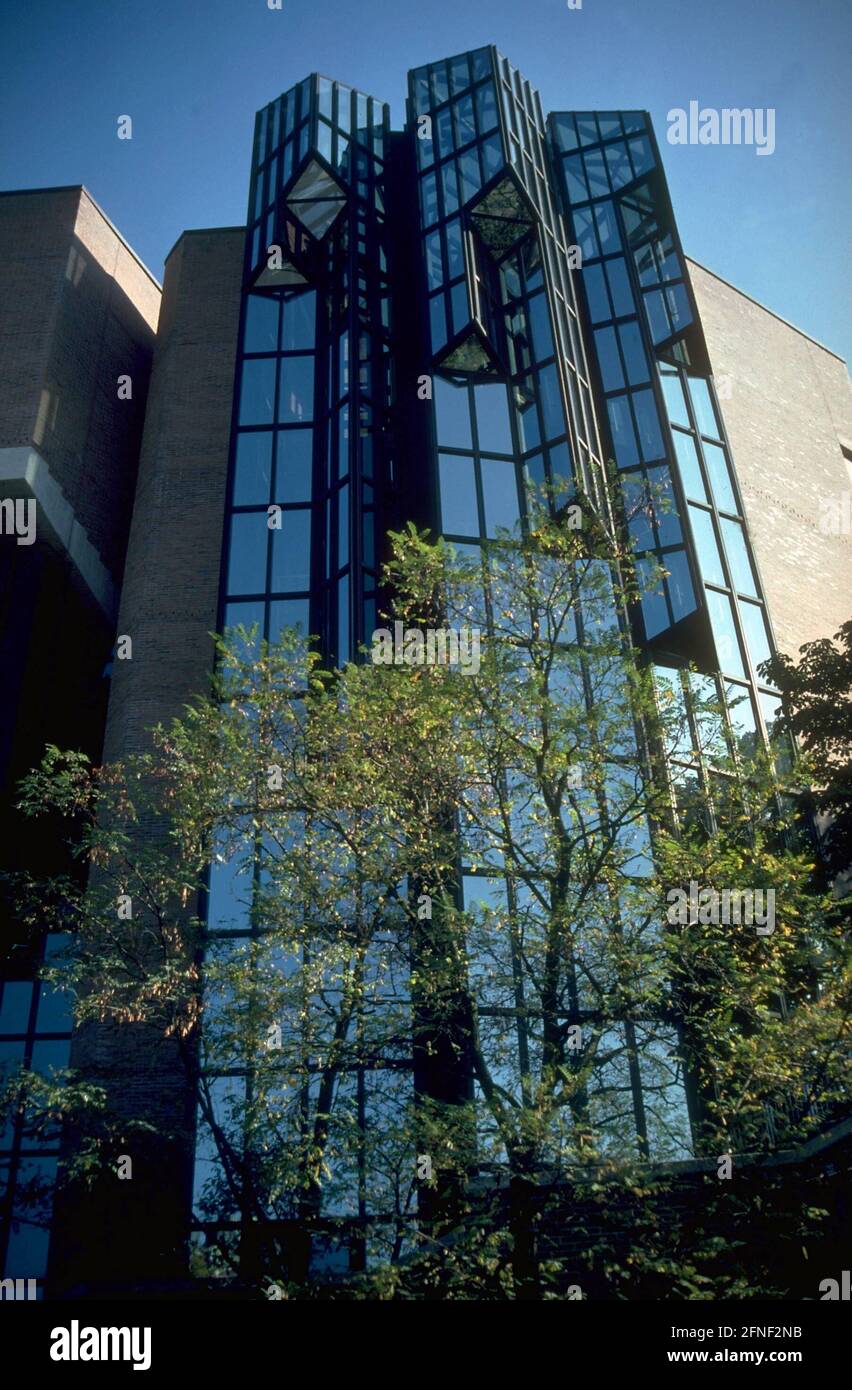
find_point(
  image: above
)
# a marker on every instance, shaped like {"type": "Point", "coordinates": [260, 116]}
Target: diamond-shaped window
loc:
{"type": "Point", "coordinates": [316, 199]}
{"type": "Point", "coordinates": [502, 216]}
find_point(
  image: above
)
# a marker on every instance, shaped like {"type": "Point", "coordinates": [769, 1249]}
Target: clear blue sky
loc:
{"type": "Point", "coordinates": [191, 73]}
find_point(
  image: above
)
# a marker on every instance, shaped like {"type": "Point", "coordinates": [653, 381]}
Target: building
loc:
{"type": "Point", "coordinates": [530, 269]}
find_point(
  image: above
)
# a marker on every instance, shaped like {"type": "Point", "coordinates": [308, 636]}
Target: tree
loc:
{"type": "Point", "coordinates": [817, 710]}
{"type": "Point", "coordinates": [440, 969]}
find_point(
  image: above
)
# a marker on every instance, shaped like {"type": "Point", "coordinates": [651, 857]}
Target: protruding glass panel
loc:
{"type": "Point", "coordinates": [705, 543]}
{"type": "Point", "coordinates": [757, 637]}
{"type": "Point", "coordinates": [316, 199]}
{"type": "Point", "coordinates": [690, 470]}
{"type": "Point", "coordinates": [720, 478]}
{"type": "Point", "coordinates": [702, 404]}
{"type": "Point", "coordinates": [725, 633]}
{"type": "Point", "coordinates": [733, 535]}
{"type": "Point", "coordinates": [674, 398]}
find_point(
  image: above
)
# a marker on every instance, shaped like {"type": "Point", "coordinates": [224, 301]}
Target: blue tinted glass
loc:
{"type": "Point", "coordinates": [542, 338]}
{"type": "Point", "coordinates": [528, 426]}
{"type": "Point", "coordinates": [450, 187]}
{"type": "Point", "coordinates": [553, 416]}
{"type": "Point", "coordinates": [455, 252]}
{"type": "Point", "coordinates": [296, 392]}
{"type": "Point", "coordinates": [459, 306]}
{"type": "Point", "coordinates": [740, 710]}
{"type": "Point", "coordinates": [720, 478]}
{"type": "Point", "coordinates": [679, 584]}
{"type": "Point", "coordinates": [459, 514]}
{"type": "Point", "coordinates": [586, 127]}
{"type": "Point", "coordinates": [621, 428]}
{"type": "Point", "coordinates": [443, 128]}
{"type": "Point", "coordinates": [492, 155]}
{"type": "Point", "coordinates": [677, 301]}
{"type": "Point", "coordinates": [665, 509]}
{"type": "Point", "coordinates": [452, 415]}
{"type": "Point", "coordinates": [463, 114]}
{"type": "Point", "coordinates": [459, 76]}
{"type": "Point", "coordinates": [481, 63]}
{"type": "Point", "coordinates": [15, 1007]}
{"type": "Point", "coordinates": [634, 353]}
{"type": "Point", "coordinates": [690, 472]}
{"type": "Point", "coordinates": [607, 227]}
{"type": "Point", "coordinates": [566, 135]}
{"type": "Point", "coordinates": [637, 510]}
{"type": "Point", "coordinates": [291, 552]}
{"type": "Point", "coordinates": [733, 536]}
{"type": "Point", "coordinates": [492, 419]}
{"type": "Point", "coordinates": [575, 178]}
{"type": "Point", "coordinates": [434, 268]}
{"type": "Point", "coordinates": [230, 891]}
{"type": "Point", "coordinates": [584, 225]}
{"type": "Point", "coordinates": [293, 466]}
{"type": "Point", "coordinates": [703, 407]}
{"type": "Point", "coordinates": [655, 613]}
{"type": "Point", "coordinates": [640, 151]}
{"type": "Point", "coordinates": [257, 391]}
{"type": "Point", "coordinates": [725, 633]}
{"type": "Point", "coordinates": [247, 554]}
{"type": "Point", "coordinates": [561, 469]}
{"type": "Point", "coordinates": [51, 1056]}
{"type": "Point", "coordinates": [469, 173]}
{"type": "Point", "coordinates": [288, 612]}
{"type": "Point", "coordinates": [343, 526]}
{"type": "Point", "coordinates": [253, 468]}
{"type": "Point", "coordinates": [705, 543]}
{"type": "Point", "coordinates": [675, 399]}
{"type": "Point", "coordinates": [596, 173]}
{"type": "Point", "coordinates": [486, 107]}
{"type": "Point", "coordinates": [658, 319]}
{"type": "Point", "coordinates": [757, 637]}
{"type": "Point", "coordinates": [619, 286]}
{"type": "Point", "coordinates": [500, 495]}
{"type": "Point", "coordinates": [596, 292]}
{"type": "Point", "coordinates": [299, 320]}
{"type": "Point", "coordinates": [429, 199]}
{"type": "Point", "coordinates": [261, 326]}
{"type": "Point", "coordinates": [343, 619]}
{"type": "Point", "coordinates": [618, 164]}
{"type": "Point", "coordinates": [608, 359]}
{"type": "Point", "coordinates": [648, 425]}
{"type": "Point", "coordinates": [437, 322]}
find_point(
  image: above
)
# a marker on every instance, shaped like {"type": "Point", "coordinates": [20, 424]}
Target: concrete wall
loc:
{"type": "Point", "coordinates": [788, 415]}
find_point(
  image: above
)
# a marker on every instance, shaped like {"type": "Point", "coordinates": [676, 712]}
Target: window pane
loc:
{"type": "Point", "coordinates": [738, 558]}
{"type": "Point", "coordinates": [253, 468]}
{"type": "Point", "coordinates": [607, 228]}
{"type": "Point", "coordinates": [623, 436]}
{"type": "Point", "coordinates": [455, 253]}
{"type": "Point", "coordinates": [293, 466]}
{"type": "Point", "coordinates": [690, 472]}
{"type": "Point", "coordinates": [257, 391]}
{"type": "Point", "coordinates": [288, 612]}
{"type": "Point", "coordinates": [756, 634]}
{"type": "Point", "coordinates": [705, 543]}
{"type": "Point", "coordinates": [437, 322]}
{"type": "Point", "coordinates": [55, 1010]}
{"type": "Point", "coordinates": [261, 326]}
{"type": "Point", "coordinates": [299, 320]}
{"type": "Point", "coordinates": [703, 407]}
{"type": "Point", "coordinates": [15, 1007]}
{"type": "Point", "coordinates": [500, 495]}
{"type": "Point", "coordinates": [596, 293]}
{"type": "Point", "coordinates": [720, 479]}
{"type": "Point", "coordinates": [551, 403]}
{"type": "Point", "coordinates": [459, 514]}
{"type": "Point", "coordinates": [434, 269]}
{"type": "Point", "coordinates": [665, 510]}
{"type": "Point", "coordinates": [619, 285]}
{"type": "Point", "coordinates": [610, 364]}
{"type": "Point", "coordinates": [679, 582]}
{"type": "Point", "coordinates": [648, 425]}
{"type": "Point", "coordinates": [741, 714]}
{"type": "Point", "coordinates": [542, 337]}
{"type": "Point", "coordinates": [492, 419]}
{"type": "Point", "coordinates": [291, 552]}
{"type": "Point", "coordinates": [634, 353]}
{"type": "Point", "coordinates": [247, 554]}
{"type": "Point", "coordinates": [296, 398]}
{"type": "Point", "coordinates": [452, 414]}
{"type": "Point", "coordinates": [675, 399]}
{"type": "Point", "coordinates": [725, 633]}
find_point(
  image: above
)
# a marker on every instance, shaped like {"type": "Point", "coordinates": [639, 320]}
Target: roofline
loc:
{"type": "Point", "coordinates": [201, 231]}
{"type": "Point", "coordinates": [766, 309]}
{"type": "Point", "coordinates": [81, 188]}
